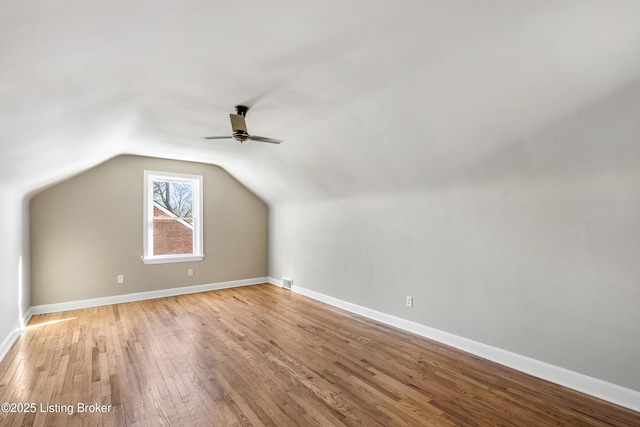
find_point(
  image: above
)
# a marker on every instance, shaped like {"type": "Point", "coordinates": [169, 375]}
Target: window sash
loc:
{"type": "Point", "coordinates": [195, 220]}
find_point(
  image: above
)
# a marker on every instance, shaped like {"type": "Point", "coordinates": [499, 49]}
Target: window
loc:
{"type": "Point", "coordinates": [172, 217]}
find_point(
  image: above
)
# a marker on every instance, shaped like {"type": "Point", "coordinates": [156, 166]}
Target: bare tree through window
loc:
{"type": "Point", "coordinates": [176, 197]}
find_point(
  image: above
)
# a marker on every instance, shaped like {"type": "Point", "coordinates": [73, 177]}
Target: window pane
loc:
{"type": "Point", "coordinates": [172, 236]}
{"type": "Point", "coordinates": [175, 197]}
{"type": "Point", "coordinates": [173, 217]}
{"type": "Point", "coordinates": [173, 201]}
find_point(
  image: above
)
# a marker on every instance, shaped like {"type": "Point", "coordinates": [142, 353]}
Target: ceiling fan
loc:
{"type": "Point", "coordinates": [239, 127]}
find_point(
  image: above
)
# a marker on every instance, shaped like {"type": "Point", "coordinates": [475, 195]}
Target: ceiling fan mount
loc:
{"type": "Point", "coordinates": [241, 110]}
{"type": "Point", "coordinates": [239, 128]}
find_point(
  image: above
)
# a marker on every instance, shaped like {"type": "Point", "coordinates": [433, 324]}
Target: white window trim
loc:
{"type": "Point", "coordinates": [196, 182]}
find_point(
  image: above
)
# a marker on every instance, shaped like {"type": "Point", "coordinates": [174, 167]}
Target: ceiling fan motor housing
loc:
{"type": "Point", "coordinates": [240, 135]}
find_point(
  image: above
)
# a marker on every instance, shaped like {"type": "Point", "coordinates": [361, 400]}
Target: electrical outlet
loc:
{"type": "Point", "coordinates": [409, 301]}
{"type": "Point", "coordinates": [190, 272]}
{"type": "Point", "coordinates": [120, 279]}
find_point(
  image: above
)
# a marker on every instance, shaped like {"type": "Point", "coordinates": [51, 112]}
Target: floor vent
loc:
{"type": "Point", "coordinates": [287, 283]}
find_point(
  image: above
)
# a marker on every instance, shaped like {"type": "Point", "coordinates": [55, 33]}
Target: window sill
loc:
{"type": "Point", "coordinates": [165, 259]}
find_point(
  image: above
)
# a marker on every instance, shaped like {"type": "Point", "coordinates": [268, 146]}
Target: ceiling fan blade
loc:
{"type": "Point", "coordinates": [238, 123]}
{"type": "Point", "coordinates": [261, 95]}
{"type": "Point", "coordinates": [218, 137]}
{"type": "Point", "coordinates": [264, 139]}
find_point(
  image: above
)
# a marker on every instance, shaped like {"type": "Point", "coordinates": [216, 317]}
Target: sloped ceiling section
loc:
{"type": "Point", "coordinates": [369, 96]}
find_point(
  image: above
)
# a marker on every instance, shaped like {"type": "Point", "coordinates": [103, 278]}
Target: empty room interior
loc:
{"type": "Point", "coordinates": [282, 213]}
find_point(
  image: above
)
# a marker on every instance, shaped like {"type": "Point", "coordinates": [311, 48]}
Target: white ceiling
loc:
{"type": "Point", "coordinates": [369, 96]}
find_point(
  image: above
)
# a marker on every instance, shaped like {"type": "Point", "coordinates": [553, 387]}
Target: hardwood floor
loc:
{"type": "Point", "coordinates": [260, 355]}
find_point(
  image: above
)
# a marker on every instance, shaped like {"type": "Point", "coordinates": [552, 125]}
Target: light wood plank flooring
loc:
{"type": "Point", "coordinates": [260, 355]}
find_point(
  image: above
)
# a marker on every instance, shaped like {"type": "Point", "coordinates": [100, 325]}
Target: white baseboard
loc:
{"type": "Point", "coordinates": [275, 282]}
{"type": "Point", "coordinates": [139, 296]}
{"type": "Point", "coordinates": [25, 318]}
{"type": "Point", "coordinates": [6, 344]}
{"type": "Point", "coordinates": [592, 386]}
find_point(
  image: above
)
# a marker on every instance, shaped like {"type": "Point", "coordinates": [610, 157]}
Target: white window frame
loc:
{"type": "Point", "coordinates": [197, 202]}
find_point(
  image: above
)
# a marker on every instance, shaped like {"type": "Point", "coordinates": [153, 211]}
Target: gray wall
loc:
{"type": "Point", "coordinates": [14, 262]}
{"type": "Point", "coordinates": [88, 229]}
{"type": "Point", "coordinates": [536, 250]}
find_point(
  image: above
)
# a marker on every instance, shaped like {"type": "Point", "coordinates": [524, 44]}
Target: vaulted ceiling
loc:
{"type": "Point", "coordinates": [369, 96]}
